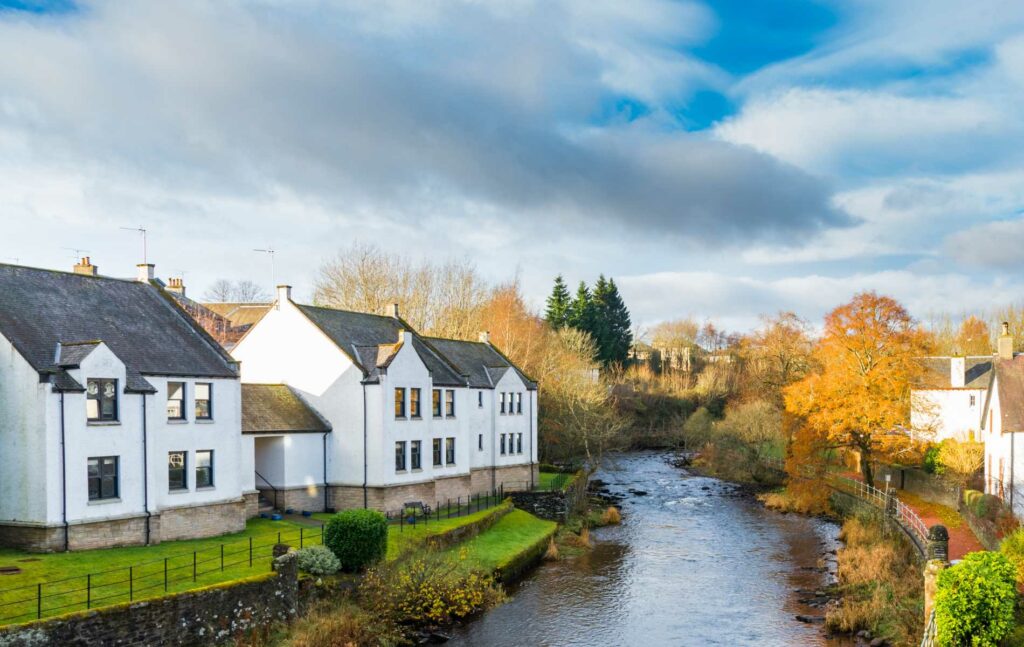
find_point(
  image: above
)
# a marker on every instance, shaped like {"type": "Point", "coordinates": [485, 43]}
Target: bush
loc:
{"type": "Point", "coordinates": [428, 590]}
{"type": "Point", "coordinates": [611, 516]}
{"type": "Point", "coordinates": [1012, 547]}
{"type": "Point", "coordinates": [982, 506]}
{"type": "Point", "coordinates": [931, 463]}
{"type": "Point", "coordinates": [318, 560]}
{"type": "Point", "coordinates": [975, 601]}
{"type": "Point", "coordinates": [357, 537]}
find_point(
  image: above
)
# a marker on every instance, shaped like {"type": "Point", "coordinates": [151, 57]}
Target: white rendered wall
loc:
{"type": "Point", "coordinates": [513, 423]}
{"type": "Point", "coordinates": [481, 422]}
{"type": "Point", "coordinates": [948, 413]}
{"type": "Point", "coordinates": [26, 442]}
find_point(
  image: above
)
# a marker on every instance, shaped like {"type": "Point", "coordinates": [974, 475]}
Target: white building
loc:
{"type": "Point", "coordinates": [1002, 426]}
{"type": "Point", "coordinates": [949, 399]}
{"type": "Point", "coordinates": [119, 417]}
{"type": "Point", "coordinates": [403, 417]}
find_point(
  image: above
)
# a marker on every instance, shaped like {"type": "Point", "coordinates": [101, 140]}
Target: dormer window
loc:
{"type": "Point", "coordinates": [101, 400]}
{"type": "Point", "coordinates": [175, 400]}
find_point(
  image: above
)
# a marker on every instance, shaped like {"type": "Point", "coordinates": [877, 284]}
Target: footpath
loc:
{"type": "Point", "coordinates": [961, 538]}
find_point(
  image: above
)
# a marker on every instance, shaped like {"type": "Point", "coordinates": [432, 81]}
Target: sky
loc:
{"type": "Point", "coordinates": [721, 160]}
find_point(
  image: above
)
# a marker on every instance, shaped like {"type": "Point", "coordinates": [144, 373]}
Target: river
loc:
{"type": "Point", "coordinates": [694, 562]}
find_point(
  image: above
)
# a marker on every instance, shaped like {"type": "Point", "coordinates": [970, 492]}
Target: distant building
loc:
{"type": "Point", "coordinates": [949, 398]}
{"type": "Point", "coordinates": [661, 359]}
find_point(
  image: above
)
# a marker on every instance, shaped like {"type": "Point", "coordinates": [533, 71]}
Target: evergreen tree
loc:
{"type": "Point", "coordinates": [559, 305]}
{"type": "Point", "coordinates": [619, 325]}
{"type": "Point", "coordinates": [581, 313]}
{"type": "Point", "coordinates": [601, 330]}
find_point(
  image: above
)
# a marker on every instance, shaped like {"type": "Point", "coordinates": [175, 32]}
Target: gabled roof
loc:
{"type": "Point", "coordinates": [977, 372]}
{"type": "Point", "coordinates": [141, 325]}
{"type": "Point", "coordinates": [361, 336]}
{"type": "Point", "coordinates": [278, 408]}
{"type": "Point", "coordinates": [71, 354]}
{"type": "Point", "coordinates": [239, 314]}
{"type": "Point", "coordinates": [1010, 383]}
{"type": "Point", "coordinates": [482, 362]}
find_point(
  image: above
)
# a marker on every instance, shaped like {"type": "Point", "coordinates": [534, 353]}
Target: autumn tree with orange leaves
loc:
{"type": "Point", "coordinates": [859, 397]}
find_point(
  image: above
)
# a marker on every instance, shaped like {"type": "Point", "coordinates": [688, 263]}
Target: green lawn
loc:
{"type": "Point", "coordinates": [405, 538]}
{"type": "Point", "coordinates": [137, 572]}
{"type": "Point", "coordinates": [555, 480]}
{"type": "Point", "coordinates": [514, 533]}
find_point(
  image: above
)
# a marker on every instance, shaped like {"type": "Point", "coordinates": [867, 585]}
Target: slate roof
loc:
{"type": "Point", "coordinates": [482, 362]}
{"type": "Point", "coordinates": [1010, 381]}
{"type": "Point", "coordinates": [361, 335]}
{"type": "Point", "coordinates": [278, 408]}
{"type": "Point", "coordinates": [239, 314]}
{"type": "Point", "coordinates": [977, 373]}
{"type": "Point", "coordinates": [140, 324]}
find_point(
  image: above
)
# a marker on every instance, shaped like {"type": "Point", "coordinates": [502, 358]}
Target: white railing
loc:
{"type": "Point", "coordinates": [929, 639]}
{"type": "Point", "coordinates": [909, 520]}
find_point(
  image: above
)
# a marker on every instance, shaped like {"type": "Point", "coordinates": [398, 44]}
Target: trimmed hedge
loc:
{"type": "Point", "coordinates": [975, 601]}
{"type": "Point", "coordinates": [359, 538]}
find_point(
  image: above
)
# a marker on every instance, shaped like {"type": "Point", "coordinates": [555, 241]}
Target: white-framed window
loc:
{"type": "Point", "coordinates": [502, 408]}
{"type": "Point", "coordinates": [449, 451]}
{"type": "Point", "coordinates": [503, 444]}
{"type": "Point", "coordinates": [519, 443]}
{"type": "Point", "coordinates": [177, 478]}
{"type": "Point", "coordinates": [415, 454]}
{"type": "Point", "coordinates": [414, 403]}
{"type": "Point", "coordinates": [104, 477]}
{"type": "Point", "coordinates": [437, 452]}
{"type": "Point", "coordinates": [204, 468]}
{"type": "Point", "coordinates": [435, 401]}
{"type": "Point", "coordinates": [519, 402]}
{"type": "Point", "coordinates": [400, 456]}
{"type": "Point", "coordinates": [399, 403]}
{"type": "Point", "coordinates": [449, 403]}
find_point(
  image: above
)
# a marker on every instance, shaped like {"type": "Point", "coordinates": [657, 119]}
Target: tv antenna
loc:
{"type": "Point", "coordinates": [270, 251]}
{"type": "Point", "coordinates": [142, 231]}
{"type": "Point", "coordinates": [77, 250]}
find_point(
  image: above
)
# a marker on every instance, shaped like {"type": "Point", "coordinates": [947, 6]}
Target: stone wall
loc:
{"type": "Point", "coordinates": [927, 486]}
{"type": "Point", "coordinates": [252, 504]}
{"type": "Point", "coordinates": [209, 616]}
{"type": "Point", "coordinates": [432, 492]}
{"type": "Point", "coordinates": [204, 520]}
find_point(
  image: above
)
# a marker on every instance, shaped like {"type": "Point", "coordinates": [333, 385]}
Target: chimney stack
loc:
{"type": "Point", "coordinates": [957, 372]}
{"type": "Point", "coordinates": [147, 272]}
{"type": "Point", "coordinates": [1004, 346]}
{"type": "Point", "coordinates": [176, 286]}
{"type": "Point", "coordinates": [485, 337]}
{"type": "Point", "coordinates": [393, 310]}
{"type": "Point", "coordinates": [284, 293]}
{"type": "Point", "coordinates": [86, 268]}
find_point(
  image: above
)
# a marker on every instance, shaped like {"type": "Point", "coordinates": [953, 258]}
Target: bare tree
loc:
{"type": "Point", "coordinates": [243, 291]}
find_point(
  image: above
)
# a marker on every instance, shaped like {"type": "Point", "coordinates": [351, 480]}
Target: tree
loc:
{"type": "Point", "coordinates": [778, 354]}
{"type": "Point", "coordinates": [679, 333]}
{"type": "Point", "coordinates": [620, 335]}
{"type": "Point", "coordinates": [961, 460]}
{"type": "Point", "coordinates": [243, 291]}
{"type": "Point", "coordinates": [583, 315]}
{"type": "Point", "coordinates": [559, 304]}
{"type": "Point", "coordinates": [973, 337]}
{"type": "Point", "coordinates": [860, 396]}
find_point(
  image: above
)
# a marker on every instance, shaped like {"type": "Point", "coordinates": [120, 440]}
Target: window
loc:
{"type": "Point", "coordinates": [437, 452]}
{"type": "Point", "coordinates": [973, 400]}
{"type": "Point", "coordinates": [519, 443]}
{"type": "Point", "coordinates": [414, 403]}
{"type": "Point", "coordinates": [449, 403]}
{"type": "Point", "coordinates": [503, 402]}
{"type": "Point", "coordinates": [176, 479]}
{"type": "Point", "coordinates": [204, 401]}
{"type": "Point", "coordinates": [437, 402]}
{"type": "Point", "coordinates": [449, 451]}
{"type": "Point", "coordinates": [204, 468]}
{"type": "Point", "coordinates": [400, 456]}
{"type": "Point", "coordinates": [480, 442]}
{"type": "Point", "coordinates": [519, 402]}
{"type": "Point", "coordinates": [503, 444]}
{"type": "Point", "coordinates": [103, 478]}
{"type": "Point", "coordinates": [399, 403]}
{"type": "Point", "coordinates": [414, 454]}
{"type": "Point", "coordinates": [175, 400]}
{"type": "Point", "coordinates": [101, 400]}
{"type": "Point", "coordinates": [480, 399]}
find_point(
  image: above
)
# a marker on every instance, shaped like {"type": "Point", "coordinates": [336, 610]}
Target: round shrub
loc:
{"type": "Point", "coordinates": [975, 600]}
{"type": "Point", "coordinates": [358, 537]}
{"type": "Point", "coordinates": [318, 560]}
{"type": "Point", "coordinates": [1012, 547]}
{"type": "Point", "coordinates": [931, 463]}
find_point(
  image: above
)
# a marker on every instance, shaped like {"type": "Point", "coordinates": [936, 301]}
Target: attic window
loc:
{"type": "Point", "coordinates": [101, 400]}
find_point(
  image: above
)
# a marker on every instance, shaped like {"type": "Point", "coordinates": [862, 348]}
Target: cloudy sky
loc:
{"type": "Point", "coordinates": [719, 159]}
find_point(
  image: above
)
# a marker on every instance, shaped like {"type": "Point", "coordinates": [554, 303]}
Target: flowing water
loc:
{"type": "Point", "coordinates": [694, 562]}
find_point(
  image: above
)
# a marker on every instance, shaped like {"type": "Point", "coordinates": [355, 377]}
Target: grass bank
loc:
{"type": "Point", "coordinates": [508, 547]}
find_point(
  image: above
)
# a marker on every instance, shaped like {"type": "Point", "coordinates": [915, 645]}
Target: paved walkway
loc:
{"type": "Point", "coordinates": [961, 538]}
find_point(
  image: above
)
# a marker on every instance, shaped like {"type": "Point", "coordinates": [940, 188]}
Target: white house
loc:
{"type": "Point", "coordinates": [119, 417]}
{"type": "Point", "coordinates": [950, 396]}
{"type": "Point", "coordinates": [1002, 426]}
{"type": "Point", "coordinates": [410, 418]}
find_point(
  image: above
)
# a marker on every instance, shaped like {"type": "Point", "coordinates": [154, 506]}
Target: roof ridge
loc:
{"type": "Point", "coordinates": [351, 312]}
{"type": "Point", "coordinates": [75, 274]}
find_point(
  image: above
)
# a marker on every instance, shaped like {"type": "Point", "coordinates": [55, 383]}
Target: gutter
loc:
{"type": "Point", "coordinates": [325, 470]}
{"type": "Point", "coordinates": [64, 479]}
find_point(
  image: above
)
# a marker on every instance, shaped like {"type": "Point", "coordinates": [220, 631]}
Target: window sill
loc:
{"type": "Point", "coordinates": [416, 470]}
{"type": "Point", "coordinates": [178, 490]}
{"type": "Point", "coordinates": [177, 421]}
{"type": "Point", "coordinates": [103, 423]}
{"type": "Point", "coordinates": [416, 418]}
{"type": "Point", "coordinates": [206, 488]}
{"type": "Point", "coordinates": [401, 471]}
{"type": "Point", "coordinates": [400, 418]}
{"type": "Point", "coordinates": [104, 501]}
{"type": "Point", "coordinates": [204, 421]}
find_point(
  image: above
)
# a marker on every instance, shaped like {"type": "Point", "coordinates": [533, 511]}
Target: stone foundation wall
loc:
{"type": "Point", "coordinates": [209, 616]}
{"type": "Point", "coordinates": [202, 520]}
{"type": "Point", "coordinates": [252, 504]}
{"type": "Point", "coordinates": [38, 539]}
{"type": "Point", "coordinates": [514, 478]}
{"type": "Point", "coordinates": [111, 533]}
{"type": "Point", "coordinates": [432, 492]}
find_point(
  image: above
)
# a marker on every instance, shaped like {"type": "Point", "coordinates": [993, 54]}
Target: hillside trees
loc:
{"type": "Point", "coordinates": [600, 313]}
{"type": "Point", "coordinates": [859, 397]}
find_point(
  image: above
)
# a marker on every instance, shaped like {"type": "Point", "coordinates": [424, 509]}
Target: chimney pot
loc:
{"type": "Point", "coordinates": [176, 286]}
{"type": "Point", "coordinates": [485, 337]}
{"type": "Point", "coordinates": [146, 272]}
{"type": "Point", "coordinates": [85, 267]}
{"type": "Point", "coordinates": [393, 310]}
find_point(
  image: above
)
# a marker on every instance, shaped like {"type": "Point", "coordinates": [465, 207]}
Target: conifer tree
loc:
{"type": "Point", "coordinates": [619, 325]}
{"type": "Point", "coordinates": [581, 314]}
{"type": "Point", "coordinates": [559, 305]}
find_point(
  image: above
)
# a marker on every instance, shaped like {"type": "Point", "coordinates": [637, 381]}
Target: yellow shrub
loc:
{"type": "Point", "coordinates": [611, 516]}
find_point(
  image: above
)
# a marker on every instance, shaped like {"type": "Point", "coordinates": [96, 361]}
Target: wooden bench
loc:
{"type": "Point", "coordinates": [423, 508]}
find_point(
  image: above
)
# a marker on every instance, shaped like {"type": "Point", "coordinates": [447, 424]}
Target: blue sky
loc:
{"type": "Point", "coordinates": [720, 159]}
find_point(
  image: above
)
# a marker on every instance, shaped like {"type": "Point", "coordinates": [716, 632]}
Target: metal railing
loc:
{"type": "Point", "coordinates": [271, 486]}
{"type": "Point", "coordinates": [422, 513]}
{"type": "Point", "coordinates": [930, 638]}
{"type": "Point", "coordinates": [154, 578]}
{"type": "Point", "coordinates": [908, 520]}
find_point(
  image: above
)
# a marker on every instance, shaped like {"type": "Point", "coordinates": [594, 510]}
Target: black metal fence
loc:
{"type": "Point", "coordinates": [172, 573]}
{"type": "Point", "coordinates": [422, 512]}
